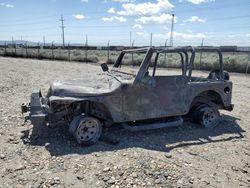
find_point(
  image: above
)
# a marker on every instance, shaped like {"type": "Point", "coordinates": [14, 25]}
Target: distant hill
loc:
{"type": "Point", "coordinates": [29, 43]}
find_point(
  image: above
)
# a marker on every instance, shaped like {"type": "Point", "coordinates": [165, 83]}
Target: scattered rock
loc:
{"type": "Point", "coordinates": [191, 180]}
{"type": "Point", "coordinates": [47, 144]}
{"type": "Point", "coordinates": [193, 153]}
{"type": "Point", "coordinates": [243, 170]}
{"type": "Point", "coordinates": [20, 167]}
{"type": "Point", "coordinates": [2, 156]}
{"type": "Point", "coordinates": [168, 155]}
{"type": "Point", "coordinates": [80, 176]}
{"type": "Point", "coordinates": [106, 178]}
{"type": "Point", "coordinates": [10, 139]}
{"type": "Point", "coordinates": [111, 180]}
{"type": "Point", "coordinates": [157, 181]}
{"type": "Point", "coordinates": [134, 175]}
{"type": "Point", "coordinates": [106, 169]}
{"type": "Point", "coordinates": [55, 181]}
{"type": "Point", "coordinates": [234, 168]}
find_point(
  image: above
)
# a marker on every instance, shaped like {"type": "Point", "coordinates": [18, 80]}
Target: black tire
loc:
{"type": "Point", "coordinates": [86, 129]}
{"type": "Point", "coordinates": [207, 116]}
{"type": "Point", "coordinates": [216, 74]}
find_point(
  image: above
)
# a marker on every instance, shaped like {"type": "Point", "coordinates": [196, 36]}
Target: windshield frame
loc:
{"type": "Point", "coordinates": [147, 56]}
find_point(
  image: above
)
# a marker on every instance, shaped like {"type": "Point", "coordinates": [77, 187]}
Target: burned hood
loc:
{"type": "Point", "coordinates": [101, 84]}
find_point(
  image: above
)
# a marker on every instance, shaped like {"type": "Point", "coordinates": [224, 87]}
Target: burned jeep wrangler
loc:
{"type": "Point", "coordinates": [138, 100]}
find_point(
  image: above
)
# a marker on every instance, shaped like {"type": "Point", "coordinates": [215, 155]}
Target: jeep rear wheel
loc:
{"type": "Point", "coordinates": [208, 116]}
{"type": "Point", "coordinates": [86, 129]}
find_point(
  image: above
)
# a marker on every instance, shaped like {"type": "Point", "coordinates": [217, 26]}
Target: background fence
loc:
{"type": "Point", "coordinates": [236, 59]}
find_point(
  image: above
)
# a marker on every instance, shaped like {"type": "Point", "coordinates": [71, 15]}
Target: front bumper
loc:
{"type": "Point", "coordinates": [37, 113]}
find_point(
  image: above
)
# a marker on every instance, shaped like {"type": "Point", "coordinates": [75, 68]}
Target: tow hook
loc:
{"type": "Point", "coordinates": [25, 107]}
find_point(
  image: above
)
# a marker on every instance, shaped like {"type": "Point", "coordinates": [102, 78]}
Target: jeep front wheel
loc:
{"type": "Point", "coordinates": [208, 116]}
{"type": "Point", "coordinates": [86, 129]}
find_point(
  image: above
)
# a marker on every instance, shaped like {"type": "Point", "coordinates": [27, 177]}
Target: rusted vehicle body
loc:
{"type": "Point", "coordinates": [138, 101]}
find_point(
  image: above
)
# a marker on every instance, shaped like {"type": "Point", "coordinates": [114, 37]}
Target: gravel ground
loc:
{"type": "Point", "coordinates": [186, 156]}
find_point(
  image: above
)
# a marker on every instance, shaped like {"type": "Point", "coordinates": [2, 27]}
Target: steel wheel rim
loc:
{"type": "Point", "coordinates": [87, 130]}
{"type": "Point", "coordinates": [209, 117]}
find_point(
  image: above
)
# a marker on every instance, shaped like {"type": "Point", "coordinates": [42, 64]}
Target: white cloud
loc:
{"type": "Point", "coordinates": [231, 36]}
{"type": "Point", "coordinates": [79, 16]}
{"type": "Point", "coordinates": [111, 10]}
{"type": "Point", "coordinates": [237, 36]}
{"type": "Point", "coordinates": [137, 26]}
{"type": "Point", "coordinates": [197, 1]}
{"type": "Point", "coordinates": [163, 18]}
{"type": "Point", "coordinates": [177, 35]}
{"type": "Point", "coordinates": [105, 19]}
{"type": "Point", "coordinates": [118, 18]}
{"type": "Point", "coordinates": [189, 35]}
{"type": "Point", "coordinates": [84, 1]}
{"type": "Point", "coordinates": [9, 5]}
{"type": "Point", "coordinates": [142, 34]}
{"type": "Point", "coordinates": [6, 5]}
{"type": "Point", "coordinates": [146, 8]}
{"type": "Point", "coordinates": [124, 1]}
{"type": "Point", "coordinates": [161, 36]}
{"type": "Point", "coordinates": [210, 33]}
{"type": "Point", "coordinates": [194, 19]}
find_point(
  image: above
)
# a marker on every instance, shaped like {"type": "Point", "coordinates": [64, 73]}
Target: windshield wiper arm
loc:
{"type": "Point", "coordinates": [131, 74]}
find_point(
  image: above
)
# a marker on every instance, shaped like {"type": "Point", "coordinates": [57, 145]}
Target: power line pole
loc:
{"type": "Point", "coordinates": [86, 46]}
{"type": "Point", "coordinates": [62, 26]}
{"type": "Point", "coordinates": [69, 50]}
{"type": "Point", "coordinates": [108, 51]}
{"type": "Point", "coordinates": [151, 39]}
{"type": "Point", "coordinates": [44, 41]}
{"type": "Point", "coordinates": [171, 40]}
{"type": "Point", "coordinates": [166, 42]}
{"type": "Point", "coordinates": [21, 44]}
{"type": "Point", "coordinates": [201, 52]}
{"type": "Point", "coordinates": [52, 50]}
{"type": "Point", "coordinates": [86, 41]}
{"type": "Point", "coordinates": [5, 48]}
{"type": "Point", "coordinates": [38, 49]}
{"type": "Point", "coordinates": [248, 62]}
{"type": "Point", "coordinates": [130, 38]}
{"type": "Point", "coordinates": [132, 55]}
{"type": "Point", "coordinates": [26, 49]}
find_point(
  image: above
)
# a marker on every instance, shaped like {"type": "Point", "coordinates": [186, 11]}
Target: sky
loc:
{"type": "Point", "coordinates": [215, 22]}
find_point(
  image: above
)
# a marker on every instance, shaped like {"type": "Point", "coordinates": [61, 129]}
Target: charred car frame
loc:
{"type": "Point", "coordinates": [140, 101]}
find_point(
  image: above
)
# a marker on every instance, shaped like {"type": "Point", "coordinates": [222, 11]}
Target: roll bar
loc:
{"type": "Point", "coordinates": [187, 65]}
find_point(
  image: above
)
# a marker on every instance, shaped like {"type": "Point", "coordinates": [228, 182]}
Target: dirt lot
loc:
{"type": "Point", "coordinates": [187, 156]}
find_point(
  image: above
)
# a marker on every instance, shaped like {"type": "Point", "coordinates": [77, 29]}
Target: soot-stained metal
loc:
{"type": "Point", "coordinates": [131, 99]}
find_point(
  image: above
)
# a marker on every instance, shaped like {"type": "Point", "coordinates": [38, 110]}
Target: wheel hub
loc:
{"type": "Point", "coordinates": [87, 130]}
{"type": "Point", "coordinates": [209, 117]}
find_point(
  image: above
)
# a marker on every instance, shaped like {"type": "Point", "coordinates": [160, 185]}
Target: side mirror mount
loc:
{"type": "Point", "coordinates": [105, 67]}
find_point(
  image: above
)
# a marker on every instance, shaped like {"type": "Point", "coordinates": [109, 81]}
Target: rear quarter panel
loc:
{"type": "Point", "coordinates": [195, 88]}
